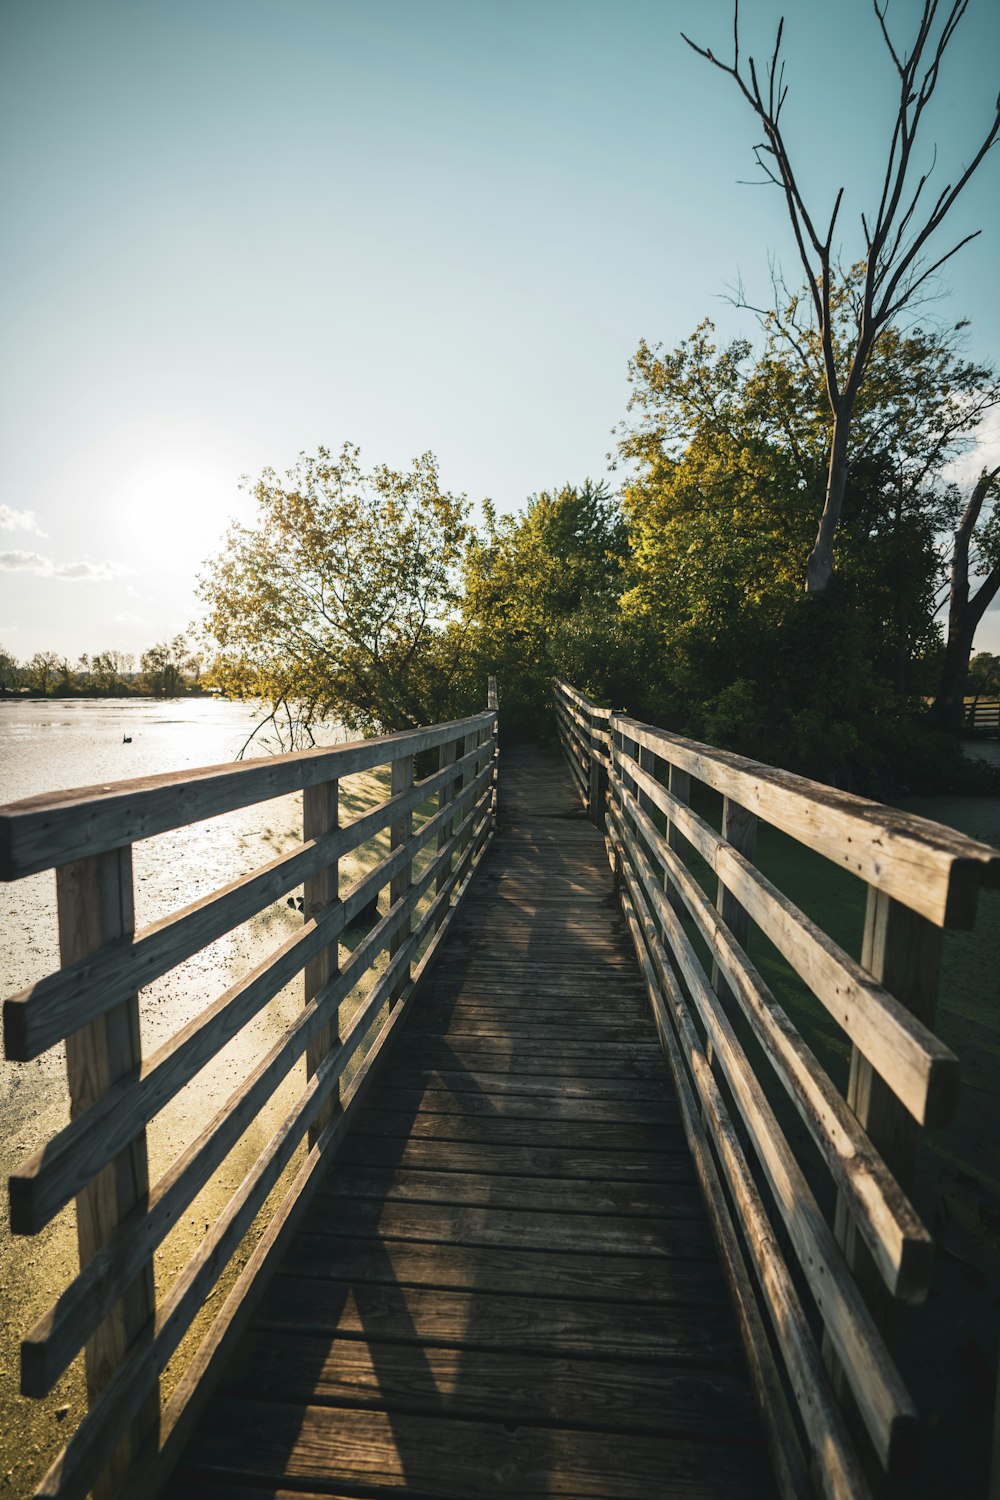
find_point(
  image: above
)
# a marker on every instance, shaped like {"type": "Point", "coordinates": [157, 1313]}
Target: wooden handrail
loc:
{"type": "Point", "coordinates": [876, 1254]}
{"type": "Point", "coordinates": [99, 1158]}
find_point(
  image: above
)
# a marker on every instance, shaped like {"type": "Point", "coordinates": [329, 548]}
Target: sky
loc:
{"type": "Point", "coordinates": [235, 230]}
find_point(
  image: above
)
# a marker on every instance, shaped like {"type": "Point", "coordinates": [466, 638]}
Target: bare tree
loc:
{"type": "Point", "coordinates": [966, 609]}
{"type": "Point", "coordinates": [895, 239]}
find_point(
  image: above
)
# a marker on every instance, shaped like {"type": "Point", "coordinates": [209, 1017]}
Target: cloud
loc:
{"type": "Point", "coordinates": [127, 619]}
{"type": "Point", "coordinates": [19, 520]}
{"type": "Point", "coordinates": [20, 561]}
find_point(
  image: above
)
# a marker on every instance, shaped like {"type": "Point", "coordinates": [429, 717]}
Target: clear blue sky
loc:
{"type": "Point", "coordinates": [236, 229]}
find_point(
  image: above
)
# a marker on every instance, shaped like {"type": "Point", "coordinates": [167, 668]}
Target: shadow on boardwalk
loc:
{"type": "Point", "coordinates": [507, 1285]}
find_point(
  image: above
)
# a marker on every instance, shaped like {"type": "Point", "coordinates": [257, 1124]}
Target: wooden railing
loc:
{"type": "Point", "coordinates": [125, 1442]}
{"type": "Point", "coordinates": [982, 716]}
{"type": "Point", "coordinates": [817, 1295]}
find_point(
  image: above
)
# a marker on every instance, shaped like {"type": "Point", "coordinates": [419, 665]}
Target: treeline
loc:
{"type": "Point", "coordinates": [369, 597]}
{"type": "Point", "coordinates": [167, 670]}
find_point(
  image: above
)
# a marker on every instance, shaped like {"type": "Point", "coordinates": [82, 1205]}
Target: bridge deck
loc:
{"type": "Point", "coordinates": [507, 1285]}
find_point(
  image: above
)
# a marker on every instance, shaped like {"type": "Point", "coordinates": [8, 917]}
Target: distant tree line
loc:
{"type": "Point", "coordinates": [167, 670]}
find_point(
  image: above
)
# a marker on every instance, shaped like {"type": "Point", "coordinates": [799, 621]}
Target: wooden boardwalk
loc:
{"type": "Point", "coordinates": [507, 1285]}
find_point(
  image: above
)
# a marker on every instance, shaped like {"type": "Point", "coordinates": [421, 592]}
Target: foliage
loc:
{"type": "Point", "coordinates": [541, 598]}
{"type": "Point", "coordinates": [984, 674]}
{"type": "Point", "coordinates": [164, 667]}
{"type": "Point", "coordinates": [337, 602]}
{"type": "Point", "coordinates": [727, 445]}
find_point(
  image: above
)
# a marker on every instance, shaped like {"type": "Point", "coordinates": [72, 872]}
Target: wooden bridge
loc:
{"type": "Point", "coordinates": [565, 1205]}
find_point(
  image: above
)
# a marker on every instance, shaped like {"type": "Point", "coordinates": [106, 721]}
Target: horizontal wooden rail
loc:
{"type": "Point", "coordinates": [108, 1308]}
{"type": "Point", "coordinates": [42, 832]}
{"type": "Point", "coordinates": [738, 1058]}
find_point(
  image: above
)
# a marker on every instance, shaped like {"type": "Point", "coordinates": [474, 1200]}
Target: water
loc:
{"type": "Point", "coordinates": [48, 745]}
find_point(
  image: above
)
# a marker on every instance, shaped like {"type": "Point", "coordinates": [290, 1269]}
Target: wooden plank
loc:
{"type": "Point", "coordinates": [739, 831]}
{"type": "Point", "coordinates": [920, 1069]}
{"type": "Point", "coordinates": [898, 1240]}
{"type": "Point", "coordinates": [321, 817]}
{"type": "Point", "coordinates": [462, 1081]}
{"type": "Point", "coordinates": [903, 952]}
{"type": "Point", "coordinates": [32, 1028]}
{"type": "Point", "coordinates": [668, 1165]}
{"type": "Point", "coordinates": [835, 1456]}
{"type": "Point", "coordinates": [52, 1343]}
{"type": "Point", "coordinates": [536, 1389]}
{"type": "Point", "coordinates": [95, 906]}
{"type": "Point", "coordinates": [783, 1439]}
{"type": "Point", "coordinates": [631, 1199]}
{"type": "Point", "coordinates": [503, 1271]}
{"type": "Point", "coordinates": [450, 1458]}
{"type": "Point", "coordinates": [585, 1234]}
{"type": "Point", "coordinates": [499, 1131]}
{"type": "Point", "coordinates": [559, 1106]}
{"type": "Point", "coordinates": [930, 868]}
{"type": "Point", "coordinates": [538, 1325]}
{"type": "Point", "coordinates": [57, 827]}
{"type": "Point", "coordinates": [51, 1175]}
{"type": "Point", "coordinates": [400, 835]}
{"type": "Point", "coordinates": [885, 1404]}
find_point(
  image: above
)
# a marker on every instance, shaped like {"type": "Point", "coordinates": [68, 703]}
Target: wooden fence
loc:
{"type": "Point", "coordinates": [91, 1002]}
{"type": "Point", "coordinates": [982, 716]}
{"type": "Point", "coordinates": [817, 1295]}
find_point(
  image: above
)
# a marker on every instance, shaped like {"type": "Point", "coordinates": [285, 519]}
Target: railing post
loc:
{"type": "Point", "coordinates": [739, 829]}
{"type": "Point", "coordinates": [321, 815]}
{"type": "Point", "coordinates": [598, 780]}
{"type": "Point", "coordinates": [447, 755]}
{"type": "Point", "coordinates": [470, 743]}
{"type": "Point", "coordinates": [493, 703]}
{"type": "Point", "coordinates": [400, 832]}
{"type": "Point", "coordinates": [679, 787]}
{"type": "Point", "coordinates": [902, 950]}
{"type": "Point", "coordinates": [95, 906]}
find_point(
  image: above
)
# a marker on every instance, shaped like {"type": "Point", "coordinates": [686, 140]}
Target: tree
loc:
{"type": "Point", "coordinates": [731, 445]}
{"type": "Point", "coordinates": [340, 601]}
{"type": "Point", "coordinates": [984, 674]}
{"type": "Point", "coordinates": [541, 597]}
{"type": "Point", "coordinates": [165, 665]}
{"type": "Point", "coordinates": [894, 238]}
{"type": "Point", "coordinates": [965, 607]}
{"type": "Point", "coordinates": [11, 672]}
{"type": "Point", "coordinates": [40, 672]}
{"type": "Point", "coordinates": [109, 669]}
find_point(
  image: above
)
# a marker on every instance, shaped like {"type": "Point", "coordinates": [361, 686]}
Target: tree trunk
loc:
{"type": "Point", "coordinates": [964, 614]}
{"type": "Point", "coordinates": [819, 568]}
{"type": "Point", "coordinates": [948, 709]}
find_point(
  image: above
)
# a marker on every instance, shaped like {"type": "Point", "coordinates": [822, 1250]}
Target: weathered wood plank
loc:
{"type": "Point", "coordinates": [629, 1199]}
{"type": "Point", "coordinates": [594, 1394]}
{"type": "Point", "coordinates": [582, 1232]}
{"type": "Point", "coordinates": [503, 1271]}
{"type": "Point", "coordinates": [481, 1320]}
{"type": "Point", "coordinates": [671, 1164]}
{"type": "Point", "coordinates": [40, 832]}
{"type": "Point", "coordinates": [552, 1106]}
{"type": "Point", "coordinates": [930, 868]}
{"type": "Point", "coordinates": [450, 1458]}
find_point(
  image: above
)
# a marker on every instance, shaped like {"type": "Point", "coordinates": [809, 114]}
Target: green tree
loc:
{"type": "Point", "coordinates": [727, 445]}
{"type": "Point", "coordinates": [541, 597]}
{"type": "Point", "coordinates": [41, 672]}
{"type": "Point", "coordinates": [340, 601]}
{"type": "Point", "coordinates": [165, 667]}
{"type": "Point", "coordinates": [11, 672]}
